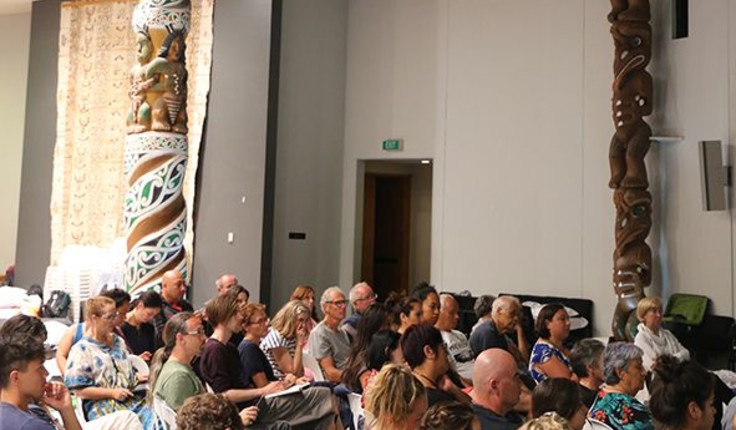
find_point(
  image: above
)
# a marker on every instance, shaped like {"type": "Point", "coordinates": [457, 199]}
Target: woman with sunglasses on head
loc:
{"type": "Point", "coordinates": [284, 342]}
{"type": "Point", "coordinates": [99, 370]}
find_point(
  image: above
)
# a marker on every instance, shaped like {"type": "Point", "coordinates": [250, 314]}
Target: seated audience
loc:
{"type": "Point", "coordinates": [430, 300]}
{"type": "Point", "coordinates": [549, 354]}
{"type": "Point", "coordinates": [653, 339]}
{"type": "Point", "coordinates": [682, 395]}
{"type": "Point", "coordinates": [172, 295]}
{"type": "Point", "coordinates": [494, 330]}
{"type": "Point", "coordinates": [76, 332]}
{"type": "Point", "coordinates": [426, 355]}
{"type": "Point", "coordinates": [405, 312]}
{"type": "Point", "coordinates": [395, 401]}
{"type": "Point", "coordinates": [327, 343]}
{"type": "Point", "coordinates": [561, 396]}
{"type": "Point", "coordinates": [361, 296]}
{"type": "Point", "coordinates": [450, 416]}
{"type": "Point", "coordinates": [285, 340]}
{"type": "Point", "coordinates": [138, 330]}
{"type": "Point", "coordinates": [215, 412]}
{"type": "Point", "coordinates": [496, 390]}
{"type": "Point", "coordinates": [586, 359]}
{"type": "Point", "coordinates": [99, 371]}
{"type": "Point", "coordinates": [548, 421]}
{"type": "Point", "coordinates": [374, 319]}
{"type": "Point", "coordinates": [458, 348]}
{"type": "Point", "coordinates": [482, 308]}
{"type": "Point", "coordinates": [311, 406]}
{"type": "Point", "coordinates": [623, 377]}
{"type": "Point", "coordinates": [172, 378]}
{"type": "Point", "coordinates": [33, 328]}
{"type": "Point", "coordinates": [23, 382]}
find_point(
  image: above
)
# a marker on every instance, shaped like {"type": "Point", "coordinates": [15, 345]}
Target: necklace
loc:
{"type": "Point", "coordinates": [426, 379]}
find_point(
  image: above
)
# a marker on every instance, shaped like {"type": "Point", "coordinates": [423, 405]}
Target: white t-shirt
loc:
{"type": "Point", "coordinates": [459, 352]}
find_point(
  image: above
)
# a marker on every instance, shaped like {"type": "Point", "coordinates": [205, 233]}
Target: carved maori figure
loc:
{"type": "Point", "coordinates": [139, 117]}
{"type": "Point", "coordinates": [156, 146]}
{"type": "Point", "coordinates": [631, 102]}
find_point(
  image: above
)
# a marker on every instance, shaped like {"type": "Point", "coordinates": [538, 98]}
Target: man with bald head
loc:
{"type": "Point", "coordinates": [496, 390]}
{"type": "Point", "coordinates": [493, 333]}
{"type": "Point", "coordinates": [225, 282]}
{"type": "Point", "coordinates": [459, 353]}
{"type": "Point", "coordinates": [361, 296]}
{"type": "Point", "coordinates": [172, 293]}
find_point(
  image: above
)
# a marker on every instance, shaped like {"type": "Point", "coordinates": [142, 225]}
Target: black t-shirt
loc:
{"type": "Point", "coordinates": [253, 361]}
{"type": "Point", "coordinates": [141, 338]}
{"type": "Point", "coordinates": [587, 395]}
{"type": "Point", "coordinates": [486, 336]}
{"type": "Point", "coordinates": [220, 368]}
{"type": "Point", "coordinates": [435, 395]}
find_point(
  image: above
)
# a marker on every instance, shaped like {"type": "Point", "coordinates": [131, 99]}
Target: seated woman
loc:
{"type": "Point", "coordinates": [396, 400]}
{"type": "Point", "coordinates": [548, 421]}
{"type": "Point", "coordinates": [138, 330]}
{"type": "Point", "coordinates": [284, 342]}
{"type": "Point", "coordinates": [305, 293]}
{"type": "Point", "coordinates": [586, 359]}
{"type": "Point", "coordinates": [374, 319]}
{"type": "Point", "coordinates": [682, 395]}
{"type": "Point", "coordinates": [652, 338]}
{"type": "Point", "coordinates": [623, 376]}
{"type": "Point", "coordinates": [405, 312]}
{"type": "Point", "coordinates": [383, 348]}
{"type": "Point", "coordinates": [450, 416]}
{"type": "Point", "coordinates": [430, 300]}
{"type": "Point", "coordinates": [561, 396]}
{"type": "Point", "coordinates": [77, 331]}
{"type": "Point", "coordinates": [426, 355]}
{"type": "Point", "coordinates": [99, 371]}
{"type": "Point", "coordinates": [310, 406]}
{"type": "Point", "coordinates": [549, 354]}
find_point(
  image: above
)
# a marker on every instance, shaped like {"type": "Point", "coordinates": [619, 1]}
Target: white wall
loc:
{"type": "Point", "coordinates": [15, 33]}
{"type": "Point", "coordinates": [309, 150]}
{"type": "Point", "coordinates": [518, 120]}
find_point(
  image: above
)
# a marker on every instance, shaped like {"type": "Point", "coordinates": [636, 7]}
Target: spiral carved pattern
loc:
{"type": "Point", "coordinates": [154, 210]}
{"type": "Point", "coordinates": [632, 101]}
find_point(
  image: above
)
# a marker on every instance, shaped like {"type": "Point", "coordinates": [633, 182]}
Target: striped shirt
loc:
{"type": "Point", "coordinates": [274, 339]}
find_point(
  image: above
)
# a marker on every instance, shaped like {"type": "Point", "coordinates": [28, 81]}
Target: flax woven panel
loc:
{"type": "Point", "coordinates": [96, 52]}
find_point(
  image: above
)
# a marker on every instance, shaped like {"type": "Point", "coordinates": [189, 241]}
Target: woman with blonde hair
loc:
{"type": "Point", "coordinates": [306, 294]}
{"type": "Point", "coordinates": [284, 342]}
{"type": "Point", "coordinates": [395, 400]}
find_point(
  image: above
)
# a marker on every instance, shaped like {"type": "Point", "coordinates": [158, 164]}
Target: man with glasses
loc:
{"type": "Point", "coordinates": [361, 296]}
{"type": "Point", "coordinates": [496, 390]}
{"type": "Point", "coordinates": [327, 343]}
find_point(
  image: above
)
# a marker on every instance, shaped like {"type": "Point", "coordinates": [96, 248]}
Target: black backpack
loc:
{"type": "Point", "coordinates": [57, 306]}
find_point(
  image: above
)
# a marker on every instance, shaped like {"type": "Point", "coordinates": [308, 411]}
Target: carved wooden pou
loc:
{"type": "Point", "coordinates": [632, 101]}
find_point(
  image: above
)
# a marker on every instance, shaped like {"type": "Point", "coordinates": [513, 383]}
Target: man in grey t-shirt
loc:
{"type": "Point", "coordinates": [327, 343]}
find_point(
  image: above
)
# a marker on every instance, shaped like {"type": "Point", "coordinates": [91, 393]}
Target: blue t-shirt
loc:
{"type": "Point", "coordinates": [541, 353]}
{"type": "Point", "coordinates": [12, 418]}
{"type": "Point", "coordinates": [253, 360]}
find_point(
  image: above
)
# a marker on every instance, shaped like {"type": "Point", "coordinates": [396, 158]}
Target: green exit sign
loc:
{"type": "Point", "coordinates": [392, 145]}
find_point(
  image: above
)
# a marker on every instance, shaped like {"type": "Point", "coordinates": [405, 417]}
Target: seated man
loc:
{"type": "Point", "coordinates": [493, 333]}
{"type": "Point", "coordinates": [496, 390]}
{"type": "Point", "coordinates": [361, 296]}
{"type": "Point", "coordinates": [459, 352]}
{"type": "Point", "coordinates": [327, 343]}
{"type": "Point", "coordinates": [172, 293]}
{"type": "Point", "coordinates": [23, 382]}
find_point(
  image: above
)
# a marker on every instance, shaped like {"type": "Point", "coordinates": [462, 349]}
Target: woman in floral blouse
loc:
{"type": "Point", "coordinates": [624, 375]}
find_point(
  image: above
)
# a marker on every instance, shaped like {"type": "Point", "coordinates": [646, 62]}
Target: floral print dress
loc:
{"type": "Point", "coordinates": [621, 412]}
{"type": "Point", "coordinates": [541, 353]}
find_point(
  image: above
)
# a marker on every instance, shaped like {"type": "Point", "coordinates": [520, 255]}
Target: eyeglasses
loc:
{"type": "Point", "coordinates": [199, 332]}
{"type": "Point", "coordinates": [373, 296]}
{"type": "Point", "coordinates": [260, 321]}
{"type": "Point", "coordinates": [337, 302]}
{"type": "Point", "coordinates": [110, 316]}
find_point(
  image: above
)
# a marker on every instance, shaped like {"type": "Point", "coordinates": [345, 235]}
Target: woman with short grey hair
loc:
{"type": "Point", "coordinates": [586, 359]}
{"type": "Point", "coordinates": [623, 377]}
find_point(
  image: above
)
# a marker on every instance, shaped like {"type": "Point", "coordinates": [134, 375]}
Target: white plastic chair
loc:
{"type": "Point", "coordinates": [356, 407]}
{"type": "Point", "coordinates": [592, 424]}
{"type": "Point", "coordinates": [164, 411]}
{"type": "Point", "coordinates": [311, 363]}
{"type": "Point", "coordinates": [140, 365]}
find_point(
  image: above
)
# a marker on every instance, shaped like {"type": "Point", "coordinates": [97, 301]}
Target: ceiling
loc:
{"type": "Point", "coordinates": [9, 7]}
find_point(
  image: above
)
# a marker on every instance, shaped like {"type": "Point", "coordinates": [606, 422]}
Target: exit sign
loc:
{"type": "Point", "coordinates": [392, 145]}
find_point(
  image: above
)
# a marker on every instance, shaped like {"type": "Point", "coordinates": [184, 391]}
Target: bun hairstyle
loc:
{"type": "Point", "coordinates": [675, 386]}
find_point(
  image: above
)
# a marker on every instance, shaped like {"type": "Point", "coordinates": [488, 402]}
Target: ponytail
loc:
{"type": "Point", "coordinates": [177, 324]}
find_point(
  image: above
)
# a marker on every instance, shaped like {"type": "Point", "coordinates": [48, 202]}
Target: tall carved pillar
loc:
{"type": "Point", "coordinates": [156, 145]}
{"type": "Point", "coordinates": [632, 101]}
